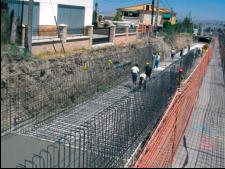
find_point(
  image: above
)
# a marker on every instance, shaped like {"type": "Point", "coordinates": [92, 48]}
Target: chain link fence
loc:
{"type": "Point", "coordinates": [161, 147]}
{"type": "Point", "coordinates": [222, 51]}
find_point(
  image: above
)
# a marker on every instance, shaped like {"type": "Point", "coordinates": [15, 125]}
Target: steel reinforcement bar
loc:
{"type": "Point", "coordinates": [160, 149]}
{"type": "Point", "coordinates": [109, 137]}
{"type": "Point", "coordinates": [38, 95]}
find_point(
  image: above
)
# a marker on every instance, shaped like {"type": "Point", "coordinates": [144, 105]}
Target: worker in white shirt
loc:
{"type": "Point", "coordinates": [153, 59]}
{"type": "Point", "coordinates": [173, 52]}
{"type": "Point", "coordinates": [157, 61]}
{"type": "Point", "coordinates": [142, 80]}
{"type": "Point", "coordinates": [135, 71]}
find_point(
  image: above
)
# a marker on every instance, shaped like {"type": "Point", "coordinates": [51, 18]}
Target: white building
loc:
{"type": "Point", "coordinates": [65, 10]}
{"type": "Point", "coordinates": [74, 13]}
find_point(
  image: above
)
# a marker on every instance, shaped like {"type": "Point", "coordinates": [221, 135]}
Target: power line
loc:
{"type": "Point", "coordinates": [123, 1]}
{"type": "Point", "coordinates": [157, 12]}
{"type": "Point", "coordinates": [57, 27]}
{"type": "Point", "coordinates": [52, 8]}
{"type": "Point", "coordinates": [153, 4]}
{"type": "Point", "coordinates": [30, 26]}
{"type": "Point", "coordinates": [172, 3]}
{"type": "Point", "coordinates": [163, 4]}
{"type": "Point", "coordinates": [168, 4]}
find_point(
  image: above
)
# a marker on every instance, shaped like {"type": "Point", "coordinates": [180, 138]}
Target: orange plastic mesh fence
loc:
{"type": "Point", "coordinates": [160, 150]}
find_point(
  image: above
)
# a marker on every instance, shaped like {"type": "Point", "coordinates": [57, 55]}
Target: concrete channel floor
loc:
{"type": "Point", "coordinates": [17, 147]}
{"type": "Point", "coordinates": [203, 145]}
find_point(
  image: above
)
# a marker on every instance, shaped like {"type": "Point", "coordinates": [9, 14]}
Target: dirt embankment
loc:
{"type": "Point", "coordinates": [34, 87]}
{"type": "Point", "coordinates": [181, 41]}
{"type": "Point", "coordinates": [15, 64]}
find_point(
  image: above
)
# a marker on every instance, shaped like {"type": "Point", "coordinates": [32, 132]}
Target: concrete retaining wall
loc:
{"type": "Point", "coordinates": [43, 46]}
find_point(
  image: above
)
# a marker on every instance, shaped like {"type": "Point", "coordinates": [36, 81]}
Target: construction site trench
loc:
{"type": "Point", "coordinates": [102, 131]}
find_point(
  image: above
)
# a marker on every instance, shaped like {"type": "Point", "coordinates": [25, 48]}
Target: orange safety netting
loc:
{"type": "Point", "coordinates": [160, 150]}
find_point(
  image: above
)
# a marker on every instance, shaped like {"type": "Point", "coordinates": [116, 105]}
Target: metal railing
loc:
{"type": "Point", "coordinates": [132, 30]}
{"type": "Point", "coordinates": [41, 34]}
{"type": "Point", "coordinates": [75, 32]}
{"type": "Point", "coordinates": [52, 33]}
{"type": "Point", "coordinates": [109, 137]}
{"type": "Point", "coordinates": [120, 30]}
{"type": "Point", "coordinates": [130, 18]}
{"type": "Point", "coordinates": [101, 35]}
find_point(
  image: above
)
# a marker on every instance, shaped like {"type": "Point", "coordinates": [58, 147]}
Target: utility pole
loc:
{"type": "Point", "coordinates": [153, 2]}
{"type": "Point", "coordinates": [142, 21]}
{"type": "Point", "coordinates": [157, 16]}
{"type": "Point", "coordinates": [29, 27]}
{"type": "Point", "coordinates": [97, 10]}
{"type": "Point", "coordinates": [22, 10]}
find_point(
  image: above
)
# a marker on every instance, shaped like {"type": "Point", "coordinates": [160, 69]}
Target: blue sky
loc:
{"type": "Point", "coordinates": [199, 9]}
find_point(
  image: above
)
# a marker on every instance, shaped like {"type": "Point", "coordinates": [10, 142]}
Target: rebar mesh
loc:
{"type": "Point", "coordinates": [160, 149]}
{"type": "Point", "coordinates": [107, 135]}
{"type": "Point", "coordinates": [40, 94]}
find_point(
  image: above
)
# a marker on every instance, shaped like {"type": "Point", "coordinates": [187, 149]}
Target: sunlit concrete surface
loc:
{"type": "Point", "coordinates": [203, 143]}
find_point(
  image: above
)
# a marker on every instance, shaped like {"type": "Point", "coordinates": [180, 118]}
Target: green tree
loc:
{"type": "Point", "coordinates": [188, 25]}
{"type": "Point", "coordinates": [169, 31]}
{"type": "Point", "coordinates": [118, 16]}
{"type": "Point", "coordinates": [94, 18]}
{"type": "Point", "coordinates": [167, 25]}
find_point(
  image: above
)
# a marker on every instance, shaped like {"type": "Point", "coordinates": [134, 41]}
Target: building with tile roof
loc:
{"type": "Point", "coordinates": [143, 13]}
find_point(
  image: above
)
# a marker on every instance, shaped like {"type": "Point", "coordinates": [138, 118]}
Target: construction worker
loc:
{"type": "Point", "coordinates": [181, 52]}
{"type": "Point", "coordinates": [148, 70]}
{"type": "Point", "coordinates": [105, 22]}
{"type": "Point", "coordinates": [153, 59]}
{"type": "Point", "coordinates": [142, 80]}
{"type": "Point", "coordinates": [173, 52]}
{"type": "Point", "coordinates": [199, 51]}
{"type": "Point", "coordinates": [134, 71]}
{"type": "Point", "coordinates": [157, 59]}
{"type": "Point", "coordinates": [205, 47]}
{"type": "Point", "coordinates": [189, 47]}
{"type": "Point", "coordinates": [97, 23]}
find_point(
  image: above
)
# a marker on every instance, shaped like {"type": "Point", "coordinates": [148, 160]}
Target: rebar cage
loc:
{"type": "Point", "coordinates": [109, 136]}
